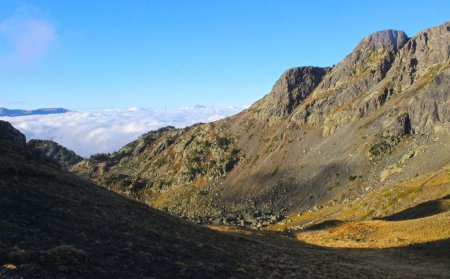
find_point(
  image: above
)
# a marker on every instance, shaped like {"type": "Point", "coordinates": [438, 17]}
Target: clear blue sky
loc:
{"type": "Point", "coordinates": [82, 54]}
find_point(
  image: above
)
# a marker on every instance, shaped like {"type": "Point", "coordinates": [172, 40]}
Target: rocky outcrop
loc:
{"type": "Point", "coordinates": [48, 151]}
{"type": "Point", "coordinates": [366, 65]}
{"type": "Point", "coordinates": [431, 104]}
{"type": "Point", "coordinates": [334, 102]}
{"type": "Point", "coordinates": [421, 56]}
{"type": "Point", "coordinates": [294, 86]}
{"type": "Point", "coordinates": [159, 161]}
{"type": "Point", "coordinates": [422, 69]}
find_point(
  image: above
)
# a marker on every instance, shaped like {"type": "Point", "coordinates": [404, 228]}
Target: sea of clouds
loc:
{"type": "Point", "coordinates": [103, 131]}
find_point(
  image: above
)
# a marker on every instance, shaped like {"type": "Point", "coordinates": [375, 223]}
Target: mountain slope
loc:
{"type": "Point", "coordinates": [55, 224]}
{"type": "Point", "coordinates": [50, 152]}
{"type": "Point", "coordinates": [411, 212]}
{"type": "Point", "coordinates": [321, 136]}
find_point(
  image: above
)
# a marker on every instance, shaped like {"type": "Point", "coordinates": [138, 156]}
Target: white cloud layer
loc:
{"type": "Point", "coordinates": [104, 131]}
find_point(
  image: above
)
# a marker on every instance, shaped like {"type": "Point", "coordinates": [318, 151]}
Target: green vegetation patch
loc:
{"type": "Point", "coordinates": [385, 146]}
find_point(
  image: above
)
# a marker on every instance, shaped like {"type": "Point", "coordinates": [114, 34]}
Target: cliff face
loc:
{"type": "Point", "coordinates": [322, 136]}
{"type": "Point", "coordinates": [291, 89]}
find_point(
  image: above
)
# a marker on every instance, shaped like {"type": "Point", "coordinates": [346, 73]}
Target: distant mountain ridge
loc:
{"type": "Point", "coordinates": [22, 112]}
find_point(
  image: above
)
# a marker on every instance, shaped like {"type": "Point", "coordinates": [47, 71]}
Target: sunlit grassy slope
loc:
{"type": "Point", "coordinates": [411, 212]}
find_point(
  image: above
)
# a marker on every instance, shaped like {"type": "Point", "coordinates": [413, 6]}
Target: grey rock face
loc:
{"type": "Point", "coordinates": [292, 87]}
{"type": "Point", "coordinates": [422, 69]}
{"type": "Point", "coordinates": [333, 101]}
{"type": "Point", "coordinates": [431, 105]}
{"type": "Point", "coordinates": [381, 66]}
{"type": "Point", "coordinates": [367, 63]}
{"type": "Point", "coordinates": [424, 51]}
{"type": "Point", "coordinates": [386, 38]}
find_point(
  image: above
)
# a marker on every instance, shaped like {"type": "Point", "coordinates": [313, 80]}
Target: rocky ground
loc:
{"type": "Point", "coordinates": [254, 219]}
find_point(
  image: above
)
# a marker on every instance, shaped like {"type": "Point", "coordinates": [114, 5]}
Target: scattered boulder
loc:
{"type": "Point", "coordinates": [253, 219]}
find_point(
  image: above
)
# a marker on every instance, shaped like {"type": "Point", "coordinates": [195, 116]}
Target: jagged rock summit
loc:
{"type": "Point", "coordinates": [384, 39]}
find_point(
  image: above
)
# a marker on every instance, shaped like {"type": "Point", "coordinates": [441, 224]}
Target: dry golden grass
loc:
{"type": "Point", "coordinates": [199, 182]}
{"type": "Point", "coordinates": [159, 200]}
{"type": "Point", "coordinates": [10, 266]}
{"type": "Point", "coordinates": [231, 229]}
{"type": "Point", "coordinates": [380, 234]}
{"type": "Point", "coordinates": [353, 226]}
{"type": "Point", "coordinates": [307, 218]}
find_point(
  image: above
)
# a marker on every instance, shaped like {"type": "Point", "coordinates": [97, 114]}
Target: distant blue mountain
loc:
{"type": "Point", "coordinates": [22, 112]}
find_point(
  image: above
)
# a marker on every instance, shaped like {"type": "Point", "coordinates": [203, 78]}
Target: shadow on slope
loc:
{"type": "Point", "coordinates": [421, 210]}
{"type": "Point", "coordinates": [324, 225]}
{"type": "Point", "coordinates": [285, 189]}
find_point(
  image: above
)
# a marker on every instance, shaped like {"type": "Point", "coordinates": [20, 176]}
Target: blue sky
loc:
{"type": "Point", "coordinates": [118, 54]}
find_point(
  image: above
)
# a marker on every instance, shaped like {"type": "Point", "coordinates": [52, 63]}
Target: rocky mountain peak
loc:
{"type": "Point", "coordinates": [292, 87]}
{"type": "Point", "coordinates": [422, 57]}
{"type": "Point", "coordinates": [369, 61]}
{"type": "Point", "coordinates": [358, 74]}
{"type": "Point", "coordinates": [383, 39]}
